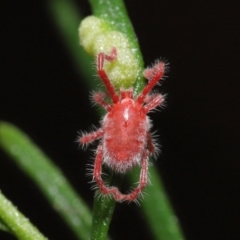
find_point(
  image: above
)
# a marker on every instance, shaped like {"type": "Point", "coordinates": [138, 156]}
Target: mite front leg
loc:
{"type": "Point", "coordinates": [103, 75]}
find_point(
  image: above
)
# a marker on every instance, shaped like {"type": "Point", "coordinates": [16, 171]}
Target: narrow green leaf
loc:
{"type": "Point", "coordinates": [48, 177]}
{"type": "Point", "coordinates": [19, 225]}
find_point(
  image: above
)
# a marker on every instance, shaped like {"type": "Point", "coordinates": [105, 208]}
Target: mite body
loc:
{"type": "Point", "coordinates": [125, 121]}
{"type": "Point", "coordinates": [125, 138]}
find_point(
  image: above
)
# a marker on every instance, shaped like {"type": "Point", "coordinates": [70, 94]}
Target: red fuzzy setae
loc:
{"type": "Point", "coordinates": [125, 135]}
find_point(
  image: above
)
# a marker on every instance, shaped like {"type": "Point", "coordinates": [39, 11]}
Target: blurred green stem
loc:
{"type": "Point", "coordinates": [19, 225]}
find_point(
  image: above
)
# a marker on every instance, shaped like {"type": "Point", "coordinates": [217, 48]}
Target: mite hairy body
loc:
{"type": "Point", "coordinates": [125, 138]}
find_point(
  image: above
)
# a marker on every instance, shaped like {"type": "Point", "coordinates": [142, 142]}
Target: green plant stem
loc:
{"type": "Point", "coordinates": [19, 225]}
{"type": "Point", "coordinates": [102, 215]}
{"type": "Point", "coordinates": [48, 178]}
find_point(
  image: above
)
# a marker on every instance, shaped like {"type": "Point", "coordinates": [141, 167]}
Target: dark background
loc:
{"type": "Point", "coordinates": [41, 92]}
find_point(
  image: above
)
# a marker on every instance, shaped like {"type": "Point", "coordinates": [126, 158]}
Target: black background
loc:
{"type": "Point", "coordinates": [41, 92]}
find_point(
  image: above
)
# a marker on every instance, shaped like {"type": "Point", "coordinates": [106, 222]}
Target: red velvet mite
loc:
{"type": "Point", "coordinates": [125, 137]}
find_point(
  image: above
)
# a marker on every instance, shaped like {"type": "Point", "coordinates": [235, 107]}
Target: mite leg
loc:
{"type": "Point", "coordinates": [154, 74]}
{"type": "Point", "coordinates": [142, 183]}
{"type": "Point", "coordinates": [97, 171]}
{"type": "Point", "coordinates": [103, 75]}
{"type": "Point", "coordinates": [99, 98]}
{"type": "Point", "coordinates": [151, 146]}
{"type": "Point", "coordinates": [152, 102]}
{"type": "Point", "coordinates": [90, 137]}
{"type": "Point", "coordinates": [112, 56]}
{"type": "Point", "coordinates": [118, 196]}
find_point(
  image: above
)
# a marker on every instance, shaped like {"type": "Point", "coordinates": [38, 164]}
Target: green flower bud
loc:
{"type": "Point", "coordinates": [97, 36]}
